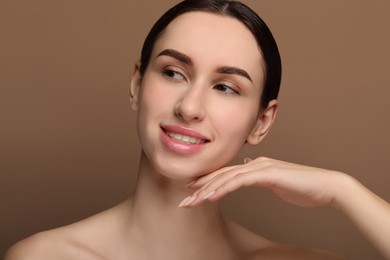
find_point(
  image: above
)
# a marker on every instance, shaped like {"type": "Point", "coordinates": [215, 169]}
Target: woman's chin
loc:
{"type": "Point", "coordinates": [182, 174]}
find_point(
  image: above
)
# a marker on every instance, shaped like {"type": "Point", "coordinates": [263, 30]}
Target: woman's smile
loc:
{"type": "Point", "coordinates": [185, 139]}
{"type": "Point", "coordinates": [182, 140]}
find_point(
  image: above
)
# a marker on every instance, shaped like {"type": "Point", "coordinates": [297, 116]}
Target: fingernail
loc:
{"type": "Point", "coordinates": [208, 195]}
{"type": "Point", "coordinates": [187, 201]}
{"type": "Point", "coordinates": [190, 200]}
{"type": "Point", "coordinates": [184, 201]}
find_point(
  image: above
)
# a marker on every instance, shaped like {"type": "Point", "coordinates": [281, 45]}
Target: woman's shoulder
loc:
{"type": "Point", "coordinates": [79, 240]}
{"type": "Point", "coordinates": [51, 244]}
{"type": "Point", "coordinates": [280, 251]}
{"type": "Point", "coordinates": [258, 247]}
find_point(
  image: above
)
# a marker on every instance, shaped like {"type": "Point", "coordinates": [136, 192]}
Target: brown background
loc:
{"type": "Point", "coordinates": [68, 148]}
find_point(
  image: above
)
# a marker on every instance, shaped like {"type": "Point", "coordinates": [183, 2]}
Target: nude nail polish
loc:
{"type": "Point", "coordinates": [208, 195]}
{"type": "Point", "coordinates": [190, 200]}
{"type": "Point", "coordinates": [183, 202]}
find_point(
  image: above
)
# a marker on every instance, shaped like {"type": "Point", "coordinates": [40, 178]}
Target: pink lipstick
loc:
{"type": "Point", "coordinates": [182, 140]}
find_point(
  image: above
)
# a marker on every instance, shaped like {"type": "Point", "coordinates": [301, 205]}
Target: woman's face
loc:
{"type": "Point", "coordinates": [198, 100]}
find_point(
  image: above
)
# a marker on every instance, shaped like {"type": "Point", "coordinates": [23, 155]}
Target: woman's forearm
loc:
{"type": "Point", "coordinates": [367, 211]}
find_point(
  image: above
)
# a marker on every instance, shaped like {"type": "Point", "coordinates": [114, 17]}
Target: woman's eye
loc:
{"type": "Point", "coordinates": [173, 74]}
{"type": "Point", "coordinates": [226, 89]}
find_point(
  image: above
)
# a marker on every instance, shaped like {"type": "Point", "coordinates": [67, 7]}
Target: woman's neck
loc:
{"type": "Point", "coordinates": [157, 224]}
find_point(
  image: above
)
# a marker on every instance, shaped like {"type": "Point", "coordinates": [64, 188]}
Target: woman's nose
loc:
{"type": "Point", "coordinates": [190, 107]}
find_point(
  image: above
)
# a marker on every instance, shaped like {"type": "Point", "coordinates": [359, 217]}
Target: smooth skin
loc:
{"type": "Point", "coordinates": [224, 109]}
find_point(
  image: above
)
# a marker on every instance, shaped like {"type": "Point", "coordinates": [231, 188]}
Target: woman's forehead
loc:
{"type": "Point", "coordinates": [211, 38]}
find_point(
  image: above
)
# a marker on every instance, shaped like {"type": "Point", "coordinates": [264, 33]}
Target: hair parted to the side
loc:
{"type": "Point", "coordinates": [239, 11]}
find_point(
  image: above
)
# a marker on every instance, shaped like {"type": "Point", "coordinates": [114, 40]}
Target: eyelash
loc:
{"type": "Point", "coordinates": [227, 90]}
{"type": "Point", "coordinates": [170, 73]}
{"type": "Point", "coordinates": [231, 91]}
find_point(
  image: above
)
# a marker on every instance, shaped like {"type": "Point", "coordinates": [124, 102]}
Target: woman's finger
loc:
{"type": "Point", "coordinates": [201, 181]}
{"type": "Point", "coordinates": [224, 186]}
{"type": "Point", "coordinates": [247, 160]}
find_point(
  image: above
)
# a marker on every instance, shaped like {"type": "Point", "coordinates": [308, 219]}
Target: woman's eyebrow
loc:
{"type": "Point", "coordinates": [187, 60]}
{"type": "Point", "coordinates": [234, 70]}
{"type": "Point", "coordinates": [176, 55]}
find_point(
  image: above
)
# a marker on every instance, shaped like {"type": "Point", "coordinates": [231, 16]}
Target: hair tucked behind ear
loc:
{"type": "Point", "coordinates": [267, 44]}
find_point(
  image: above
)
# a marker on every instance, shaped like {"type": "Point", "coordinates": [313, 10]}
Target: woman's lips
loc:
{"type": "Point", "coordinates": [182, 140]}
{"type": "Point", "coordinates": [185, 139]}
{"type": "Point", "coordinates": [184, 131]}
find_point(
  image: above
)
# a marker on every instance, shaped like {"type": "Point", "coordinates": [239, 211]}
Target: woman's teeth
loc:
{"type": "Point", "coordinates": [185, 139]}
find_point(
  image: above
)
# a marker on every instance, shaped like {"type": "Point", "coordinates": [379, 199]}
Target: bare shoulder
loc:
{"type": "Point", "coordinates": [279, 251]}
{"type": "Point", "coordinates": [30, 247]}
{"type": "Point", "coordinates": [52, 244]}
{"type": "Point", "coordinates": [253, 246]}
{"type": "Point", "coordinates": [80, 240]}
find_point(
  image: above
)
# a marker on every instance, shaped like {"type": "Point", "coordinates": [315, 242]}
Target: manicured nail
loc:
{"type": "Point", "coordinates": [184, 201]}
{"type": "Point", "coordinates": [187, 201]}
{"type": "Point", "coordinates": [190, 200]}
{"type": "Point", "coordinates": [208, 195]}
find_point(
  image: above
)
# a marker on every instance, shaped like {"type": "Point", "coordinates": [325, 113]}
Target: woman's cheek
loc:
{"type": "Point", "coordinates": [233, 129]}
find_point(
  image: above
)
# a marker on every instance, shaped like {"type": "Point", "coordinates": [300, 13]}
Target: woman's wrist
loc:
{"type": "Point", "coordinates": [344, 188]}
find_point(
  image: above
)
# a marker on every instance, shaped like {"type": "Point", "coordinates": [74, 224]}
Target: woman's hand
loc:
{"type": "Point", "coordinates": [303, 186]}
{"type": "Point", "coordinates": [297, 184]}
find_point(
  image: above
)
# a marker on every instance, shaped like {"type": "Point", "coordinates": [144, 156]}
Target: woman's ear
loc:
{"type": "Point", "coordinates": [263, 124]}
{"type": "Point", "coordinates": [135, 86]}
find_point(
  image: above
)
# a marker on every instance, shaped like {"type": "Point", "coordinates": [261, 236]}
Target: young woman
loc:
{"type": "Point", "coordinates": [206, 84]}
